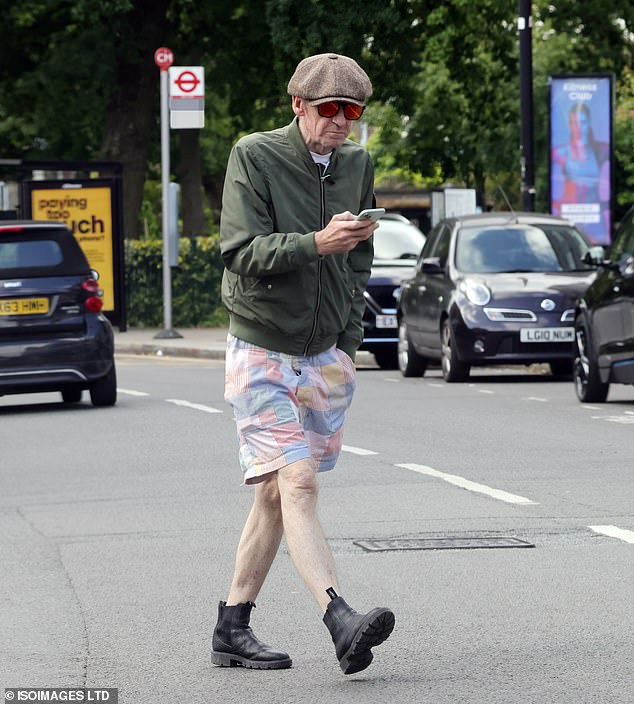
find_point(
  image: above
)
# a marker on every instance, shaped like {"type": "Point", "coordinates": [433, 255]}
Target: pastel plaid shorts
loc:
{"type": "Point", "coordinates": [287, 408]}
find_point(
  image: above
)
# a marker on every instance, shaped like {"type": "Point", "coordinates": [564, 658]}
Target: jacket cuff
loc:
{"type": "Point", "coordinates": [306, 247]}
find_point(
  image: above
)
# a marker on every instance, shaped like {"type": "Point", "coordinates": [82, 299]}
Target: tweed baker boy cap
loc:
{"type": "Point", "coordinates": [325, 77]}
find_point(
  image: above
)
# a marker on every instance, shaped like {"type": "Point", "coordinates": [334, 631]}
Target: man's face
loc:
{"type": "Point", "coordinates": [321, 134]}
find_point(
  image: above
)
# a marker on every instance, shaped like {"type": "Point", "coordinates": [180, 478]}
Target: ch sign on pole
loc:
{"type": "Point", "coordinates": [187, 97]}
{"type": "Point", "coordinates": [164, 58]}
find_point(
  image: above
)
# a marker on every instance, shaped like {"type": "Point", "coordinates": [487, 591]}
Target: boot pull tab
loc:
{"type": "Point", "coordinates": [331, 593]}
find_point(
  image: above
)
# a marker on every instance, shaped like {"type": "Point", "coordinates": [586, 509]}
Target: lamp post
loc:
{"type": "Point", "coordinates": [524, 25]}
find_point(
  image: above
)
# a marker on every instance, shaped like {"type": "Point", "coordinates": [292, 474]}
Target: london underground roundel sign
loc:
{"type": "Point", "coordinates": [163, 58]}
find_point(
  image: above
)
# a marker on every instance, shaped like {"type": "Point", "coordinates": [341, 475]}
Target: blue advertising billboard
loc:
{"type": "Point", "coordinates": [581, 108]}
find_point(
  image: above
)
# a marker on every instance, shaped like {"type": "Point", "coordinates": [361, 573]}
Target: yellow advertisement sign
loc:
{"type": "Point", "coordinates": [88, 213]}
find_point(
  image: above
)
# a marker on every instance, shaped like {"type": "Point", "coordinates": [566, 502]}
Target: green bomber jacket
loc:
{"type": "Point", "coordinates": [280, 293]}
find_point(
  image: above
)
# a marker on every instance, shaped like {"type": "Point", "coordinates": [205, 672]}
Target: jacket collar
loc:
{"type": "Point", "coordinates": [297, 141]}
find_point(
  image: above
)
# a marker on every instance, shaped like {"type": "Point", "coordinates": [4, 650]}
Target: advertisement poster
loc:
{"type": "Point", "coordinates": [581, 153]}
{"type": "Point", "coordinates": [88, 213]}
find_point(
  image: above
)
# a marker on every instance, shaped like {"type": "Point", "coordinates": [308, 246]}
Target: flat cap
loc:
{"type": "Point", "coordinates": [325, 77]}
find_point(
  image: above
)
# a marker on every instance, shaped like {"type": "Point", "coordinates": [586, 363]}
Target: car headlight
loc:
{"type": "Point", "coordinates": [475, 291]}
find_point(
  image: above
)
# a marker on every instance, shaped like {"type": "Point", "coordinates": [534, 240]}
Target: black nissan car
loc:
{"type": "Point", "coordinates": [53, 335]}
{"type": "Point", "coordinates": [494, 288]}
{"type": "Point", "coordinates": [604, 322]}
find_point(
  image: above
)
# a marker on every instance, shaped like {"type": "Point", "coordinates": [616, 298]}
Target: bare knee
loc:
{"type": "Point", "coordinates": [267, 495]}
{"type": "Point", "coordinates": [298, 482]}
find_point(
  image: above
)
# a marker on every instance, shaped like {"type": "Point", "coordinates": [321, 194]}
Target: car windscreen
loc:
{"type": "Point", "coordinates": [41, 254]}
{"type": "Point", "coordinates": [397, 240]}
{"type": "Point", "coordinates": [518, 248]}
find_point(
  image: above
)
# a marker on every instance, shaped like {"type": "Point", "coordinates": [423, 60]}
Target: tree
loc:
{"type": "Point", "coordinates": [77, 81]}
{"type": "Point", "coordinates": [464, 118]}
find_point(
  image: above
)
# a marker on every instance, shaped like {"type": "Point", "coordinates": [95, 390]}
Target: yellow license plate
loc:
{"type": "Point", "coordinates": [24, 306]}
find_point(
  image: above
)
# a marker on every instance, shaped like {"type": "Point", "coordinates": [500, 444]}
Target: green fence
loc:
{"type": "Point", "coordinates": [195, 283]}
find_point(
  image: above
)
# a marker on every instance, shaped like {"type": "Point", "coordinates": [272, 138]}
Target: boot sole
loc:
{"type": "Point", "coordinates": [375, 628]}
{"type": "Point", "coordinates": [229, 660]}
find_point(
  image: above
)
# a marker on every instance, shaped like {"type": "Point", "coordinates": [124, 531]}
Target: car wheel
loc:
{"type": "Point", "coordinates": [71, 395]}
{"type": "Point", "coordinates": [561, 367]}
{"type": "Point", "coordinates": [588, 384]}
{"type": "Point", "coordinates": [409, 361]}
{"type": "Point", "coordinates": [387, 358]}
{"type": "Point", "coordinates": [453, 370]}
{"type": "Point", "coordinates": [103, 392]}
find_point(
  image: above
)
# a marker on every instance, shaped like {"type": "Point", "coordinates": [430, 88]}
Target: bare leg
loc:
{"type": "Point", "coordinates": [258, 544]}
{"type": "Point", "coordinates": [305, 538]}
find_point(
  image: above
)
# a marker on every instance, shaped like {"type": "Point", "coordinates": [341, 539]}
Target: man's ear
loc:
{"type": "Point", "coordinates": [298, 106]}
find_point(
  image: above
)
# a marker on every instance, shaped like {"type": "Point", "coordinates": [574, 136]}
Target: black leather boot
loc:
{"type": "Point", "coordinates": [354, 634]}
{"type": "Point", "coordinates": [234, 644]}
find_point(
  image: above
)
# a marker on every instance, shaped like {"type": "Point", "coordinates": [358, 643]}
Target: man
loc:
{"type": "Point", "coordinates": [296, 265]}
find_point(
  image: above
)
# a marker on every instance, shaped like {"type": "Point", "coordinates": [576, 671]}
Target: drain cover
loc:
{"type": "Point", "coordinates": [447, 543]}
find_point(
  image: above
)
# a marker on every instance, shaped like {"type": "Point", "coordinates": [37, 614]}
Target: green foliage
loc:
{"type": "Point", "coordinates": [445, 76]}
{"type": "Point", "coordinates": [151, 208]}
{"type": "Point", "coordinates": [463, 120]}
{"type": "Point", "coordinates": [55, 77]}
{"type": "Point", "coordinates": [624, 144]}
{"type": "Point", "coordinates": [388, 147]}
{"type": "Point", "coordinates": [195, 283]}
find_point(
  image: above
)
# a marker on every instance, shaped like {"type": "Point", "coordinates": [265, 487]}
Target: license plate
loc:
{"type": "Point", "coordinates": [547, 334]}
{"type": "Point", "coordinates": [24, 306]}
{"type": "Point", "coordinates": [386, 321]}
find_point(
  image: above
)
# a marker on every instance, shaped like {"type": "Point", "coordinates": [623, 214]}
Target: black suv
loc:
{"type": "Point", "coordinates": [53, 335]}
{"type": "Point", "coordinates": [397, 244]}
{"type": "Point", "coordinates": [604, 322]}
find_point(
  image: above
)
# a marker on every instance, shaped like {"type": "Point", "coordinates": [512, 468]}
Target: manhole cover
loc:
{"type": "Point", "coordinates": [442, 543]}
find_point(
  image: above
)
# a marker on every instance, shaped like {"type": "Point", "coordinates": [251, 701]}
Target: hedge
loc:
{"type": "Point", "coordinates": [195, 284]}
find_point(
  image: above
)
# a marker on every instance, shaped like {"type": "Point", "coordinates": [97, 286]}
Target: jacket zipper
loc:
{"type": "Point", "coordinates": [322, 201]}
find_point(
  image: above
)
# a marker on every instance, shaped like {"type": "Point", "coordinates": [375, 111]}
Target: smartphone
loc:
{"type": "Point", "coordinates": [371, 214]}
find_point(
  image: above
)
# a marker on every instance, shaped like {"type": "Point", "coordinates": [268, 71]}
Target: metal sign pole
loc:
{"type": "Point", "coordinates": [164, 58]}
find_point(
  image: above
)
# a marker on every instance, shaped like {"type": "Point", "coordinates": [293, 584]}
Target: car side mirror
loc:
{"type": "Point", "coordinates": [95, 274]}
{"type": "Point", "coordinates": [595, 256]}
{"type": "Point", "coordinates": [431, 265]}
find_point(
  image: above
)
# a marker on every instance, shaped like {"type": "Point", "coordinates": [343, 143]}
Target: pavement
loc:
{"type": "Point", "coordinates": [204, 343]}
{"type": "Point", "coordinates": [201, 343]}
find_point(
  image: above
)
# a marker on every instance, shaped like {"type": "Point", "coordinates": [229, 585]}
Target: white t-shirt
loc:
{"type": "Point", "coordinates": [323, 159]}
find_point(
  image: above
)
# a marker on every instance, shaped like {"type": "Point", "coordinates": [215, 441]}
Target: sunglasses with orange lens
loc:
{"type": "Point", "coordinates": [332, 107]}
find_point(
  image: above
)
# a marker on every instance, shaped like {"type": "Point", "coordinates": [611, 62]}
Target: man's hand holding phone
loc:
{"type": "Point", "coordinates": [371, 214]}
{"type": "Point", "coordinates": [344, 232]}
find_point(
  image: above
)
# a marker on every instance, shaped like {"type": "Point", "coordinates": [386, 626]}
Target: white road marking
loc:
{"type": "Point", "coordinates": [195, 406]}
{"type": "Point", "coordinates": [437, 386]}
{"type": "Point", "coordinates": [615, 419]}
{"type": "Point", "coordinates": [485, 391]}
{"type": "Point", "coordinates": [468, 484]}
{"type": "Point", "coordinates": [536, 398]}
{"type": "Point", "coordinates": [357, 450]}
{"type": "Point", "coordinates": [592, 408]}
{"type": "Point", "coordinates": [393, 381]}
{"type": "Point", "coordinates": [130, 392]}
{"type": "Point", "coordinates": [614, 532]}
